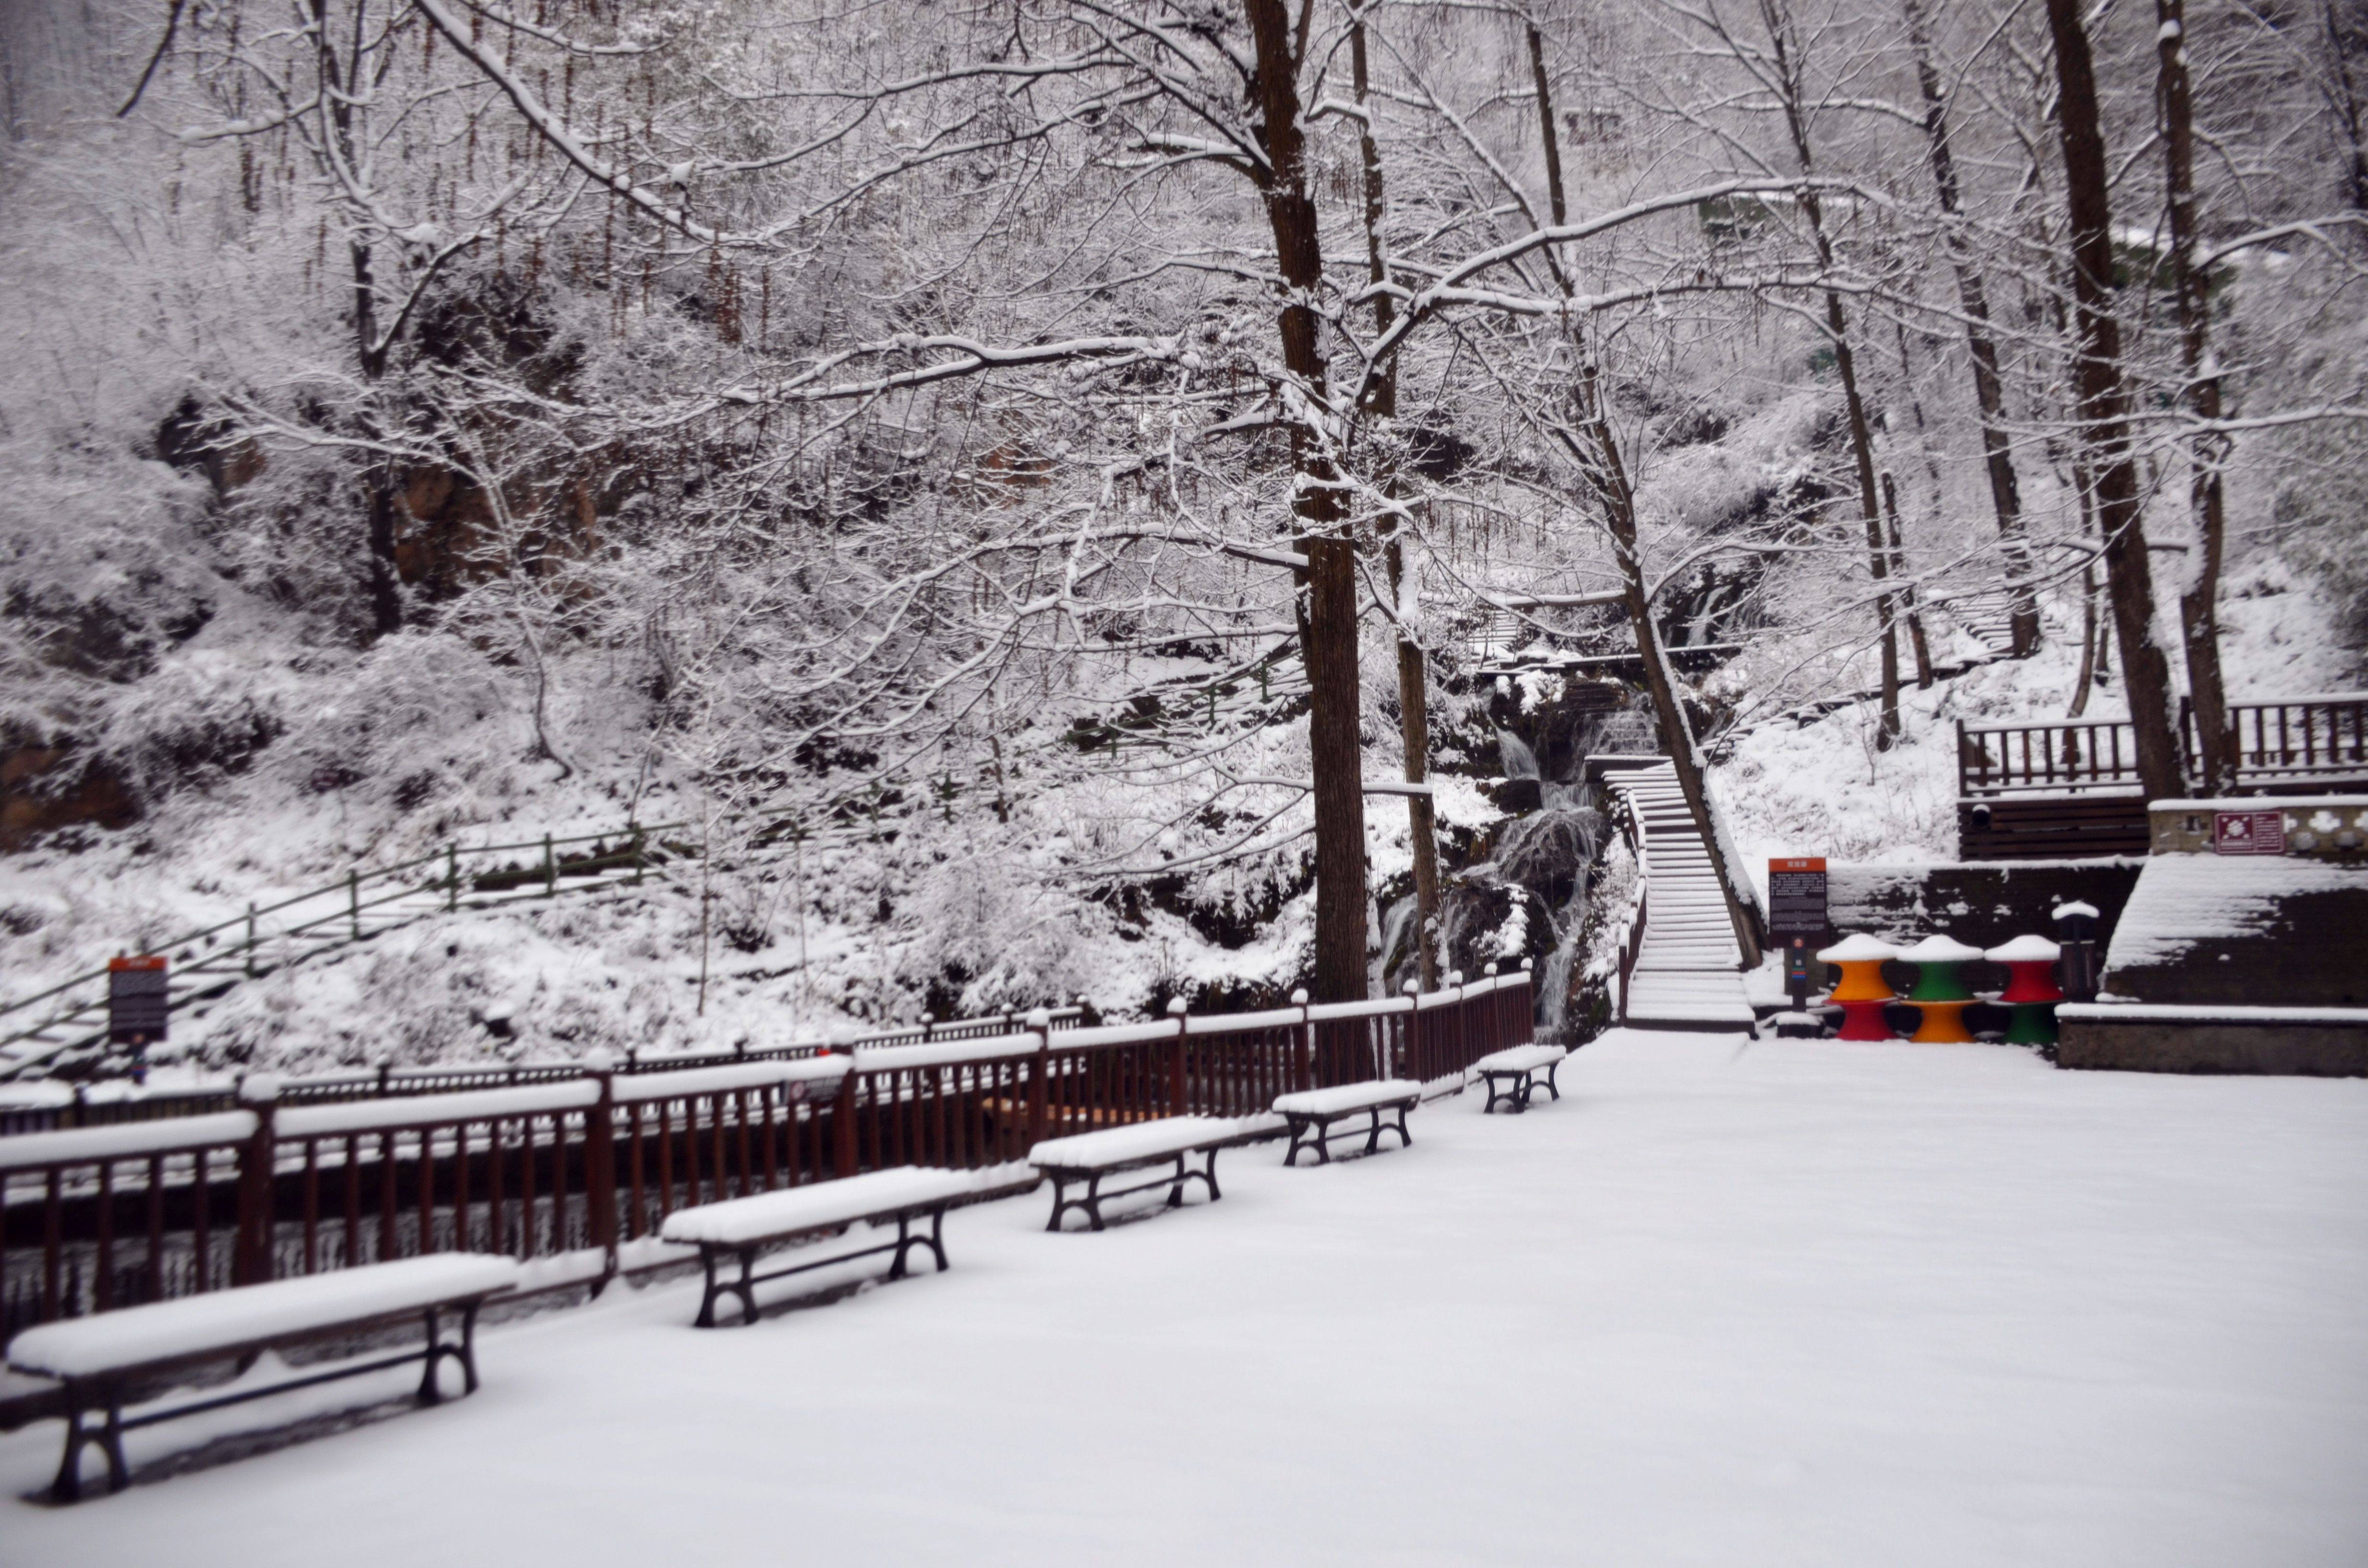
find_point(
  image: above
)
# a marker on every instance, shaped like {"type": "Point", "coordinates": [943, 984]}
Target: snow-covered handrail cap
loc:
{"type": "Point", "coordinates": [259, 1088]}
{"type": "Point", "coordinates": [2026, 949]}
{"type": "Point", "coordinates": [2075, 908]}
{"type": "Point", "coordinates": [1937, 948]}
{"type": "Point", "coordinates": [1858, 948]}
{"type": "Point", "coordinates": [599, 1059]}
{"type": "Point", "coordinates": [1299, 997]}
{"type": "Point", "coordinates": [1176, 1008]}
{"type": "Point", "coordinates": [1041, 1017]}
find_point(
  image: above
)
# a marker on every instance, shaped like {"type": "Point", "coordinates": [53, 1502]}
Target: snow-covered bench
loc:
{"type": "Point", "coordinates": [1311, 1114]}
{"type": "Point", "coordinates": [1515, 1068]}
{"type": "Point", "coordinates": [746, 1228]}
{"type": "Point", "coordinates": [99, 1360]}
{"type": "Point", "coordinates": [1090, 1157]}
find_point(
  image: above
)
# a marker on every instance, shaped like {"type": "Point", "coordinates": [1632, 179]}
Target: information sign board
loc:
{"type": "Point", "coordinates": [1796, 897]}
{"type": "Point", "coordinates": [138, 1000]}
{"type": "Point", "coordinates": [2248, 832]}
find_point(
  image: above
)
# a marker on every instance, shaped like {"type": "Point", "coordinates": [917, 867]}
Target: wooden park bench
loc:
{"type": "Point", "coordinates": [105, 1361]}
{"type": "Point", "coordinates": [1089, 1157]}
{"type": "Point", "coordinates": [743, 1229]}
{"type": "Point", "coordinates": [1512, 1074]}
{"type": "Point", "coordinates": [1314, 1111]}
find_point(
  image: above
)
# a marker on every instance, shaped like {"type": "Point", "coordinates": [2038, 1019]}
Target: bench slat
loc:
{"type": "Point", "coordinates": [1348, 1097]}
{"type": "Point", "coordinates": [746, 1221]}
{"type": "Point", "coordinates": [1520, 1058]}
{"type": "Point", "coordinates": [1167, 1136]}
{"type": "Point", "coordinates": [226, 1320]}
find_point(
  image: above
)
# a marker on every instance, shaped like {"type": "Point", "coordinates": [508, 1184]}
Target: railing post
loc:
{"type": "Point", "coordinates": [451, 877]}
{"type": "Point", "coordinates": [354, 901]}
{"type": "Point", "coordinates": [1491, 1033]}
{"type": "Point", "coordinates": [1412, 990]}
{"type": "Point", "coordinates": [601, 1162]}
{"type": "Point", "coordinates": [250, 1258]}
{"type": "Point", "coordinates": [1302, 1066]}
{"type": "Point", "coordinates": [1176, 1083]}
{"type": "Point", "coordinates": [1039, 1088]}
{"type": "Point", "coordinates": [842, 1121]}
{"type": "Point", "coordinates": [385, 1076]}
{"type": "Point", "coordinates": [1526, 1016]}
{"type": "Point", "coordinates": [550, 869]}
{"type": "Point", "coordinates": [250, 939]}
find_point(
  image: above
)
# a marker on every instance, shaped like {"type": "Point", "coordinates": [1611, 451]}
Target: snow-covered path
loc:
{"type": "Point", "coordinates": [1726, 1303]}
{"type": "Point", "coordinates": [1687, 971]}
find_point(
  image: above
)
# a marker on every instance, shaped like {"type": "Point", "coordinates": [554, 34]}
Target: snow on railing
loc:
{"type": "Point", "coordinates": [575, 1176]}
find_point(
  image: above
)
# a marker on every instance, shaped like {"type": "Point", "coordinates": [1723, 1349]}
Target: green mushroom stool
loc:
{"type": "Point", "coordinates": [1939, 992]}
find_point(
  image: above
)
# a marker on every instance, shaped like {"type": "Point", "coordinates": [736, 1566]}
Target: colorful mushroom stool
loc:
{"type": "Point", "coordinates": [2031, 991]}
{"type": "Point", "coordinates": [1863, 992]}
{"type": "Point", "coordinates": [1939, 992]}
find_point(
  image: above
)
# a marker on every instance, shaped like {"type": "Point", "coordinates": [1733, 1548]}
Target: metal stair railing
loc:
{"type": "Point", "coordinates": [357, 906]}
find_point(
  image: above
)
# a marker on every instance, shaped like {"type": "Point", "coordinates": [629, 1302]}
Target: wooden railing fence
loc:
{"type": "Point", "coordinates": [574, 1175]}
{"type": "Point", "coordinates": [2282, 740]}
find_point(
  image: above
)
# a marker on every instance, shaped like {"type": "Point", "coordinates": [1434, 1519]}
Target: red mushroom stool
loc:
{"type": "Point", "coordinates": [1863, 992]}
{"type": "Point", "coordinates": [1939, 992]}
{"type": "Point", "coordinates": [2031, 989]}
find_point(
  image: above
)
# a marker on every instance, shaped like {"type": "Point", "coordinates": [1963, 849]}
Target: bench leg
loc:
{"type": "Point", "coordinates": [1374, 1139]}
{"type": "Point", "coordinates": [428, 1394]}
{"type": "Point", "coordinates": [438, 1347]}
{"type": "Point", "coordinates": [1209, 1174]}
{"type": "Point", "coordinates": [1094, 1201]}
{"type": "Point", "coordinates": [1406, 1138]}
{"type": "Point", "coordinates": [67, 1487]}
{"type": "Point", "coordinates": [1496, 1095]}
{"type": "Point", "coordinates": [1176, 1187]}
{"type": "Point", "coordinates": [1299, 1140]}
{"type": "Point", "coordinates": [1060, 1203]}
{"type": "Point", "coordinates": [934, 1241]}
{"type": "Point", "coordinates": [744, 1287]}
{"type": "Point", "coordinates": [1552, 1088]}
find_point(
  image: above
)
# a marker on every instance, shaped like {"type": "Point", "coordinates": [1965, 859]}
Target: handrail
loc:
{"type": "Point", "coordinates": [347, 890]}
{"type": "Point", "coordinates": [2278, 739]}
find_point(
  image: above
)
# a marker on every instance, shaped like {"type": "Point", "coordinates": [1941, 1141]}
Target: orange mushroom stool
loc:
{"type": "Point", "coordinates": [2031, 991]}
{"type": "Point", "coordinates": [1862, 994]}
{"type": "Point", "coordinates": [1939, 992]}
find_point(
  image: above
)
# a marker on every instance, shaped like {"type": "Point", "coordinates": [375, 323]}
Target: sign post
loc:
{"type": "Point", "coordinates": [1796, 917]}
{"type": "Point", "coordinates": [139, 1000]}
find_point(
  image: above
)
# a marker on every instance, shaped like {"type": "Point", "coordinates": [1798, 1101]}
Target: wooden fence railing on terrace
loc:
{"type": "Point", "coordinates": [119, 1101]}
{"type": "Point", "coordinates": [2281, 741]}
{"type": "Point", "coordinates": [575, 1174]}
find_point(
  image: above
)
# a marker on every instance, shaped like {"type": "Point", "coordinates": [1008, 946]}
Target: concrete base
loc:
{"type": "Point", "coordinates": [2283, 1048]}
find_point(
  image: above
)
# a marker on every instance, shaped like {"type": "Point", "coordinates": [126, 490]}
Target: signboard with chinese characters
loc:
{"type": "Point", "coordinates": [2248, 832]}
{"type": "Point", "coordinates": [1796, 897]}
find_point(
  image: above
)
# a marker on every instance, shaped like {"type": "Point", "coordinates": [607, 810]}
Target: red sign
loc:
{"type": "Point", "coordinates": [139, 1001]}
{"type": "Point", "coordinates": [2248, 832]}
{"type": "Point", "coordinates": [1800, 863]}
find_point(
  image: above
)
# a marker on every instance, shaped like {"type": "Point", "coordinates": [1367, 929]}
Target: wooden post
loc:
{"type": "Point", "coordinates": [1413, 991]}
{"type": "Point", "coordinates": [842, 1122]}
{"type": "Point", "coordinates": [250, 1259]}
{"type": "Point", "coordinates": [600, 1162]}
{"type": "Point", "coordinates": [250, 939]}
{"type": "Point", "coordinates": [550, 869]}
{"type": "Point", "coordinates": [1040, 1086]}
{"type": "Point", "coordinates": [354, 901]}
{"type": "Point", "coordinates": [1175, 1082]}
{"type": "Point", "coordinates": [1302, 1066]}
{"type": "Point", "coordinates": [451, 877]}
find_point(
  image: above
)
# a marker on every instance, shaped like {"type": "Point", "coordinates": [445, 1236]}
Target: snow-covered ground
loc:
{"type": "Point", "coordinates": [1723, 1304]}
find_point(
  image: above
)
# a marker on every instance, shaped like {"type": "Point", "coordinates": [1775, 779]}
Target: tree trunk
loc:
{"type": "Point", "coordinates": [1921, 644]}
{"type": "Point", "coordinates": [1778, 23]}
{"type": "Point", "coordinates": [1414, 686]}
{"type": "Point", "coordinates": [2104, 408]}
{"type": "Point", "coordinates": [2207, 450]}
{"type": "Point", "coordinates": [1599, 460]}
{"type": "Point", "coordinates": [2006, 494]}
{"type": "Point", "coordinates": [1335, 755]}
{"type": "Point", "coordinates": [1609, 478]}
